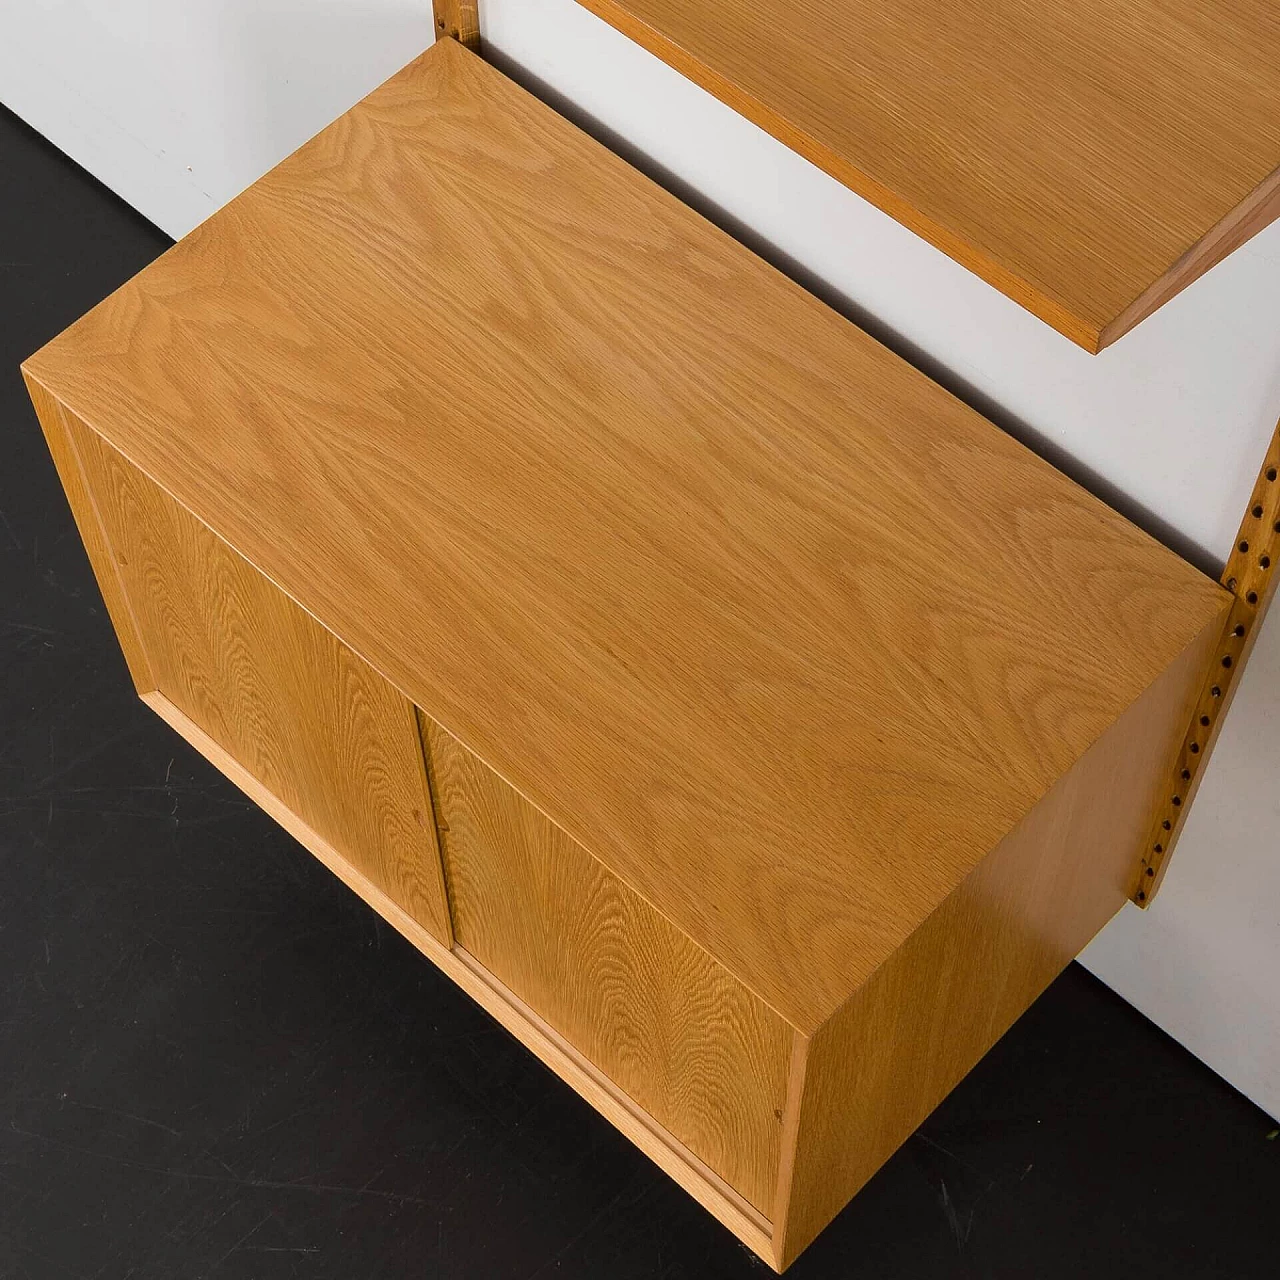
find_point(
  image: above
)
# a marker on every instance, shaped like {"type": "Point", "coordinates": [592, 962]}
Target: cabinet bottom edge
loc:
{"type": "Point", "coordinates": [711, 1191]}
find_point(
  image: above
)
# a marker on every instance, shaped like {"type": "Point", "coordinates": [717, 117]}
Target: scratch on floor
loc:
{"type": "Point", "coordinates": [123, 1115]}
{"type": "Point", "coordinates": [961, 1228]}
{"type": "Point", "coordinates": [951, 1155]}
{"type": "Point", "coordinates": [248, 1235]}
{"type": "Point", "coordinates": [261, 1184]}
{"type": "Point", "coordinates": [8, 528]}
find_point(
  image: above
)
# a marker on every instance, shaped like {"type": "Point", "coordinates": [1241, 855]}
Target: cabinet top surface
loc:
{"type": "Point", "coordinates": [1072, 154]}
{"type": "Point", "coordinates": [783, 633]}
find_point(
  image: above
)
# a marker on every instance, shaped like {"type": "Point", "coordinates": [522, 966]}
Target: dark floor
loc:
{"type": "Point", "coordinates": [216, 1062]}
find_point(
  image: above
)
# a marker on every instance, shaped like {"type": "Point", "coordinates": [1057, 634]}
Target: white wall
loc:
{"type": "Point", "coordinates": [177, 106]}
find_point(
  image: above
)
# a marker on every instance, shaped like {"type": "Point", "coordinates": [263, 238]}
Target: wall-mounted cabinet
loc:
{"type": "Point", "coordinates": [748, 724]}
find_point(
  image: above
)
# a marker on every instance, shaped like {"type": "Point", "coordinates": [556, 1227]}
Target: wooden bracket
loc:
{"type": "Point", "coordinates": [1251, 576]}
{"type": "Point", "coordinates": [458, 19]}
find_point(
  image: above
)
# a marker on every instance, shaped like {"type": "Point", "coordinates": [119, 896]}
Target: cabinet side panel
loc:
{"type": "Point", "coordinates": [895, 1049]}
{"type": "Point", "coordinates": [315, 726]}
{"type": "Point", "coordinates": [56, 422]}
{"type": "Point", "coordinates": [672, 1029]}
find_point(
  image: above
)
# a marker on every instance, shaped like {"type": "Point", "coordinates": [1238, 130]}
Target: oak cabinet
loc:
{"type": "Point", "coordinates": [749, 725]}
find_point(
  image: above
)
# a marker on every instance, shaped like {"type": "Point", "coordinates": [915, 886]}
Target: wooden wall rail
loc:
{"type": "Point", "coordinates": [459, 20]}
{"type": "Point", "coordinates": [1251, 575]}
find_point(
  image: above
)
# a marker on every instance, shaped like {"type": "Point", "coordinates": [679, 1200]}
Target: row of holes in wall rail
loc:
{"type": "Point", "coordinates": [1248, 571]}
{"type": "Point", "coordinates": [1248, 577]}
{"type": "Point", "coordinates": [1196, 744]}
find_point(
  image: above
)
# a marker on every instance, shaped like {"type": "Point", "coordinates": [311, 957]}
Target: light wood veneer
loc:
{"type": "Point", "coordinates": [781, 726]}
{"type": "Point", "coordinates": [669, 1026]}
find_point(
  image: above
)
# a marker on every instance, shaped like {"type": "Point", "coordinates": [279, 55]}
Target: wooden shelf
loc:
{"type": "Point", "coordinates": [1089, 159]}
{"type": "Point", "coordinates": [762, 724]}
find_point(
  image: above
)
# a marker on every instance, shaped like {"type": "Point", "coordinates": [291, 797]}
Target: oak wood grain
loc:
{"type": "Point", "coordinates": [458, 20]}
{"type": "Point", "coordinates": [902, 1042]}
{"type": "Point", "coordinates": [678, 1162]}
{"type": "Point", "coordinates": [783, 634]}
{"type": "Point", "coordinates": [300, 712]}
{"type": "Point", "coordinates": [1088, 159]}
{"type": "Point", "coordinates": [675, 1032]}
{"type": "Point", "coordinates": [1255, 213]}
{"type": "Point", "coordinates": [55, 421]}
